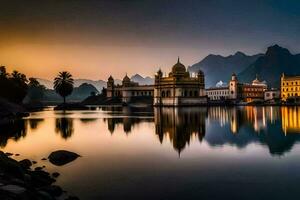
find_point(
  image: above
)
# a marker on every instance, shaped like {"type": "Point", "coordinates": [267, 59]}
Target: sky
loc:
{"type": "Point", "coordinates": [93, 39]}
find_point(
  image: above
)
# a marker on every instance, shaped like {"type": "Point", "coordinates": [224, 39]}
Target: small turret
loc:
{"type": "Point", "coordinates": [233, 77]}
{"type": "Point", "coordinates": [110, 82]}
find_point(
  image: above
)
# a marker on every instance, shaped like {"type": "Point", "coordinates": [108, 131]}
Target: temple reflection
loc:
{"type": "Point", "coordinates": [180, 125]}
{"type": "Point", "coordinates": [127, 117]}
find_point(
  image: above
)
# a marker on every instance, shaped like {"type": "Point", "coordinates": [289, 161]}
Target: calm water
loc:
{"type": "Point", "coordinates": [184, 153]}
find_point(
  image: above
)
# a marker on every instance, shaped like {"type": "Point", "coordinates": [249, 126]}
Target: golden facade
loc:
{"type": "Point", "coordinates": [290, 87]}
{"type": "Point", "coordinates": [179, 88]}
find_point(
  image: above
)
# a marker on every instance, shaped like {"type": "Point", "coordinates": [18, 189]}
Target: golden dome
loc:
{"type": "Point", "coordinates": [178, 68]}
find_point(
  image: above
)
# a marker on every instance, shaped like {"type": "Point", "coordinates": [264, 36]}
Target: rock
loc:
{"type": "Point", "coordinates": [55, 174]}
{"type": "Point", "coordinates": [53, 190]}
{"type": "Point", "coordinates": [10, 166]}
{"type": "Point", "coordinates": [44, 159]}
{"type": "Point", "coordinates": [34, 162]}
{"type": "Point", "coordinates": [17, 154]}
{"type": "Point", "coordinates": [38, 168]}
{"type": "Point", "coordinates": [9, 154]}
{"type": "Point", "coordinates": [15, 189]}
{"type": "Point", "coordinates": [72, 198]}
{"type": "Point", "coordinates": [45, 196]}
{"type": "Point", "coordinates": [25, 164]}
{"type": "Point", "coordinates": [62, 157]}
{"type": "Point", "coordinates": [41, 178]}
{"type": "Point", "coordinates": [27, 178]}
{"type": "Point", "coordinates": [17, 181]}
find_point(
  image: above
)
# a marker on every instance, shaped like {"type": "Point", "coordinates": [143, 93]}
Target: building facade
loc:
{"type": "Point", "coordinates": [129, 90]}
{"type": "Point", "coordinates": [179, 88]}
{"type": "Point", "coordinates": [246, 92]}
{"type": "Point", "coordinates": [272, 95]}
{"type": "Point", "coordinates": [237, 91]}
{"type": "Point", "coordinates": [218, 93]}
{"type": "Point", "coordinates": [290, 87]}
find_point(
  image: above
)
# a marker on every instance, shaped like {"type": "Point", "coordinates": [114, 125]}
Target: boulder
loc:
{"type": "Point", "coordinates": [55, 174]}
{"type": "Point", "coordinates": [15, 189]}
{"type": "Point", "coordinates": [41, 178]}
{"type": "Point", "coordinates": [62, 157]}
{"type": "Point", "coordinates": [11, 166]}
{"type": "Point", "coordinates": [53, 190]}
{"type": "Point", "coordinates": [25, 164]}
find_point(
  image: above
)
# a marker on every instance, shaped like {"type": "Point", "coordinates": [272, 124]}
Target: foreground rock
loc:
{"type": "Point", "coordinates": [62, 157]}
{"type": "Point", "coordinates": [17, 181]}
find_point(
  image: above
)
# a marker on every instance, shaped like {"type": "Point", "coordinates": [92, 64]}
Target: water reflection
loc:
{"type": "Point", "coordinates": [180, 125]}
{"type": "Point", "coordinates": [275, 128]}
{"type": "Point", "coordinates": [34, 123]}
{"type": "Point", "coordinates": [290, 119]}
{"type": "Point", "coordinates": [127, 122]}
{"type": "Point", "coordinates": [14, 130]}
{"type": "Point", "coordinates": [64, 126]}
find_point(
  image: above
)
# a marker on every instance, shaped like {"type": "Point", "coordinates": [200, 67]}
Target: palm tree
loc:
{"type": "Point", "coordinates": [63, 84]}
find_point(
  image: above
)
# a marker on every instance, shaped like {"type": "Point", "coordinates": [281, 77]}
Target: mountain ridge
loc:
{"type": "Point", "coordinates": [219, 68]}
{"type": "Point", "coordinates": [271, 65]}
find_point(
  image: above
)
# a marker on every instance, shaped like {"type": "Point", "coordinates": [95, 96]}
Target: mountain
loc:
{"type": "Point", "coordinates": [48, 84]}
{"type": "Point", "coordinates": [79, 93]}
{"type": "Point", "coordinates": [97, 84]}
{"type": "Point", "coordinates": [83, 91]}
{"type": "Point", "coordinates": [217, 67]}
{"type": "Point", "coordinates": [271, 65]}
{"type": "Point", "coordinates": [77, 82]}
{"type": "Point", "coordinates": [141, 80]}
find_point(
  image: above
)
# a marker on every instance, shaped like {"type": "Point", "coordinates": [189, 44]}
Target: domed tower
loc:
{"type": "Point", "coordinates": [126, 81]}
{"type": "Point", "coordinates": [110, 87]}
{"type": "Point", "coordinates": [201, 80]}
{"type": "Point", "coordinates": [233, 87]}
{"type": "Point", "coordinates": [178, 70]}
{"type": "Point", "coordinates": [158, 76]}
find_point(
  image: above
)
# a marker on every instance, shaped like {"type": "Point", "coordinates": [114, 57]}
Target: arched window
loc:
{"type": "Point", "coordinates": [163, 94]}
{"type": "Point", "coordinates": [191, 93]}
{"type": "Point", "coordinates": [168, 93]}
{"type": "Point", "coordinates": [185, 93]}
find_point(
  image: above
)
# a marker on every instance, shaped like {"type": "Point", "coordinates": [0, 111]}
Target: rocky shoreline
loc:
{"type": "Point", "coordinates": [19, 182]}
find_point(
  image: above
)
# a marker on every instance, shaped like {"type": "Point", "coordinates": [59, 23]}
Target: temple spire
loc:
{"type": "Point", "coordinates": [178, 61]}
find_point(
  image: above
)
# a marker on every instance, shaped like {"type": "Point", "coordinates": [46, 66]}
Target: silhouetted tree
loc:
{"type": "Point", "coordinates": [13, 87]}
{"type": "Point", "coordinates": [63, 84]}
{"type": "Point", "coordinates": [64, 126]}
{"type": "Point", "coordinates": [36, 91]}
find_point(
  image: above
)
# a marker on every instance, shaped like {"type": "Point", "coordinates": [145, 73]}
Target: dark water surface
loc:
{"type": "Point", "coordinates": [170, 153]}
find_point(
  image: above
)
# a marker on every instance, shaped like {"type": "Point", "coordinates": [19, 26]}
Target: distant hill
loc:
{"type": "Point", "coordinates": [141, 80]}
{"type": "Point", "coordinates": [271, 65]}
{"type": "Point", "coordinates": [77, 82]}
{"type": "Point", "coordinates": [219, 68]}
{"type": "Point", "coordinates": [79, 94]}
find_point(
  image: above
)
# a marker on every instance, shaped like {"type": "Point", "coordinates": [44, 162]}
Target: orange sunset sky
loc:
{"type": "Point", "coordinates": [93, 39]}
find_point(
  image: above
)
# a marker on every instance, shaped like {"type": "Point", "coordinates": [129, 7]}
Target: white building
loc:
{"type": "Point", "coordinates": [217, 93]}
{"type": "Point", "coordinates": [272, 95]}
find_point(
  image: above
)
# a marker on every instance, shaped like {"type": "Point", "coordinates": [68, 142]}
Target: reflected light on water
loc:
{"type": "Point", "coordinates": [125, 151]}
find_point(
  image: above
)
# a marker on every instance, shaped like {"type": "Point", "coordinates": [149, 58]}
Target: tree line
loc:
{"type": "Point", "coordinates": [15, 86]}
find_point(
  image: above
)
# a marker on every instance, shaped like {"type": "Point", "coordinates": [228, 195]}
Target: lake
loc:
{"type": "Point", "coordinates": [167, 153]}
